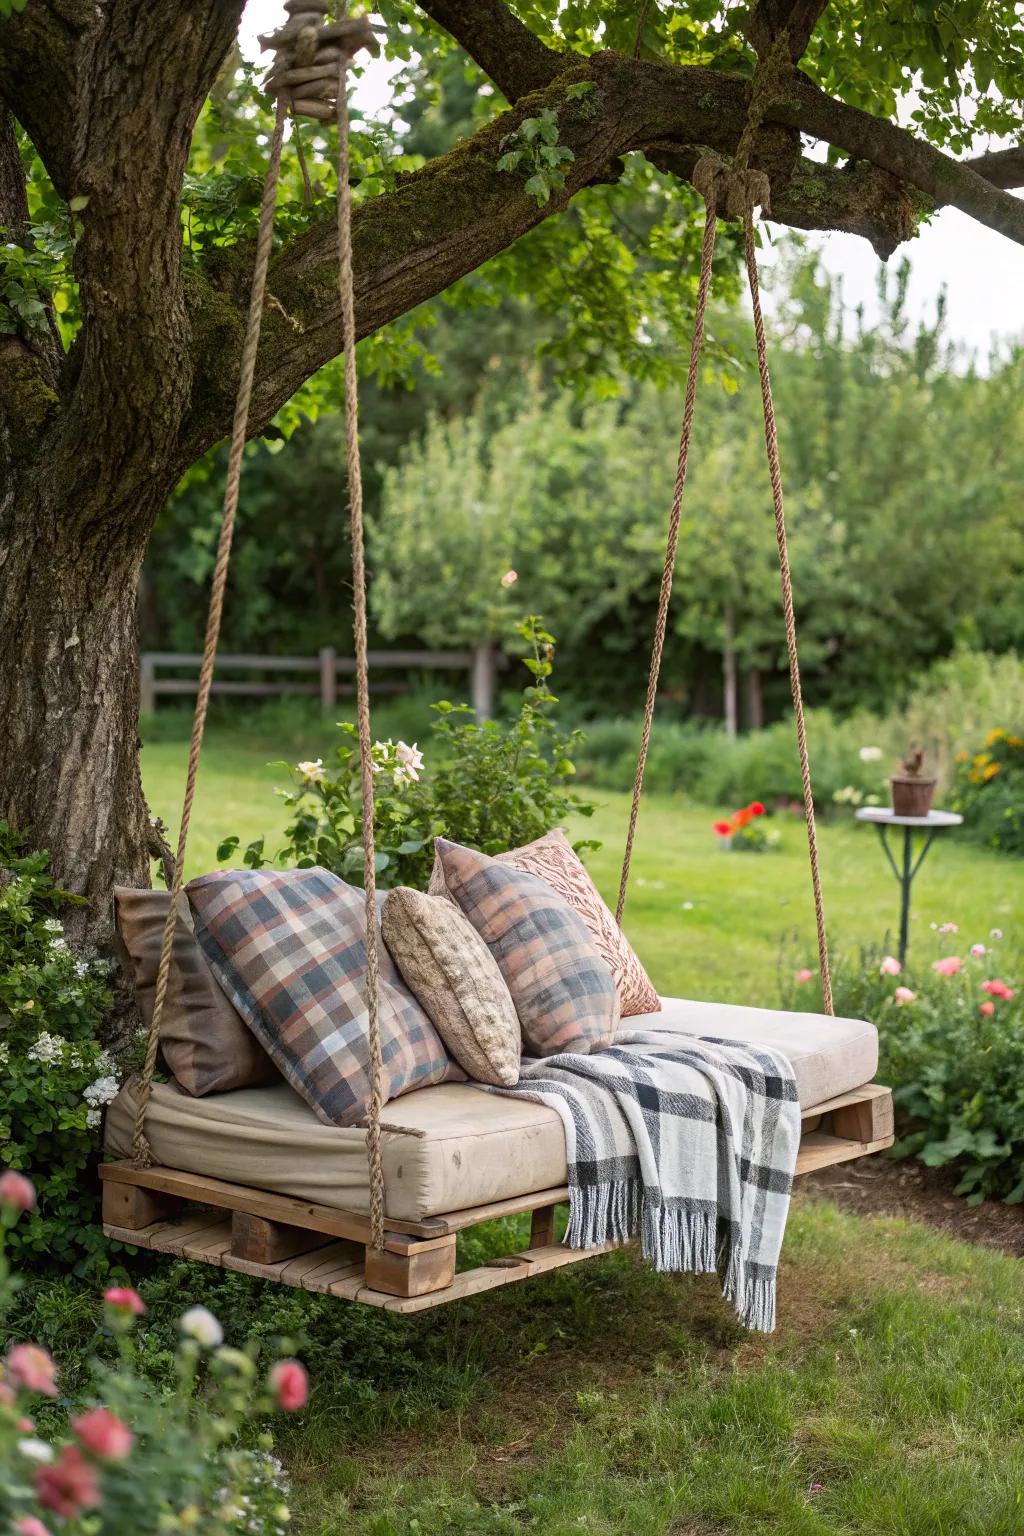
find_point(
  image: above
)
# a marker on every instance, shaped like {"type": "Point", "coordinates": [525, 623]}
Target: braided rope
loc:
{"type": "Point", "coordinates": [672, 540]}
{"type": "Point", "coordinates": [355, 494]}
{"type": "Point", "coordinates": [141, 1153]}
{"type": "Point", "coordinates": [771, 440]}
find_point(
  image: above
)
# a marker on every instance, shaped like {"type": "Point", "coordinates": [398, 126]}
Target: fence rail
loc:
{"type": "Point", "coordinates": [481, 664]}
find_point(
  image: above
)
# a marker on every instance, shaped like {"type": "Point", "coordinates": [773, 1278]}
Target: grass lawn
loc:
{"type": "Point", "coordinates": [608, 1399]}
{"type": "Point", "coordinates": [706, 923]}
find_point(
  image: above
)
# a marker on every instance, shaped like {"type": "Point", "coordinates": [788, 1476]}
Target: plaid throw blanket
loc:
{"type": "Point", "coordinates": [689, 1142]}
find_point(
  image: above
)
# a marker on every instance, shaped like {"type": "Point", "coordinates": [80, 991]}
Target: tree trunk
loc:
{"type": "Point", "coordinates": [754, 699]}
{"type": "Point", "coordinates": [69, 771]}
{"type": "Point", "coordinates": [729, 673]}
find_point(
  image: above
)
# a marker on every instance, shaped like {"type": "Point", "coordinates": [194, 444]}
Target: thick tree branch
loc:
{"type": "Point", "coordinates": [1003, 167]}
{"type": "Point", "coordinates": [506, 50]}
{"type": "Point", "coordinates": [770, 17]}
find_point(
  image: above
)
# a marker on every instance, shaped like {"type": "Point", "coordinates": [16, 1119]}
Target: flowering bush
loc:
{"type": "Point", "coordinates": [488, 784]}
{"type": "Point", "coordinates": [951, 1035]}
{"type": "Point", "coordinates": [989, 792]}
{"type": "Point", "coordinates": [55, 1077]}
{"type": "Point", "coordinates": [134, 1457]}
{"type": "Point", "coordinates": [744, 833]}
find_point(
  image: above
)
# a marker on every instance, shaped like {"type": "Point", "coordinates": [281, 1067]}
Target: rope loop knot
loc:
{"type": "Point", "coordinates": [309, 51]}
{"type": "Point", "coordinates": [732, 192]}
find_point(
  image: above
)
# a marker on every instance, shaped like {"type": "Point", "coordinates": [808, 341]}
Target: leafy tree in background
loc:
{"type": "Point", "coordinates": [123, 299]}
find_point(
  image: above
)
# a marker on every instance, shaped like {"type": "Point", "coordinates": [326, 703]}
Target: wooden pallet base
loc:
{"type": "Point", "coordinates": [318, 1248]}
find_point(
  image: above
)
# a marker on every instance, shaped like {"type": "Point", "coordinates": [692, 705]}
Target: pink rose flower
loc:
{"type": "Point", "coordinates": [69, 1485]}
{"type": "Point", "coordinates": [289, 1384]}
{"type": "Point", "coordinates": [16, 1192]}
{"type": "Point", "coordinates": [104, 1434]}
{"type": "Point", "coordinates": [977, 950]}
{"type": "Point", "coordinates": [33, 1368]}
{"type": "Point", "coordinates": [804, 975]}
{"type": "Point", "coordinates": [986, 1010]}
{"type": "Point", "coordinates": [28, 1525]}
{"type": "Point", "coordinates": [997, 988]}
{"type": "Point", "coordinates": [948, 966]}
{"type": "Point", "coordinates": [890, 966]}
{"type": "Point", "coordinates": [904, 995]}
{"type": "Point", "coordinates": [121, 1298]}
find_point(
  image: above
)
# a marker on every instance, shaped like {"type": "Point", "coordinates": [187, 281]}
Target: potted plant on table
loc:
{"type": "Point", "coordinates": [911, 788]}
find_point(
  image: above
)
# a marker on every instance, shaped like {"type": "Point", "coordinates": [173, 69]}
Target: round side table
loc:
{"type": "Point", "coordinates": [883, 817]}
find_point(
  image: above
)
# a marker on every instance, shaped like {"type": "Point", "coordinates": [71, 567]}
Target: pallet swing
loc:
{"type": "Point", "coordinates": [370, 1251]}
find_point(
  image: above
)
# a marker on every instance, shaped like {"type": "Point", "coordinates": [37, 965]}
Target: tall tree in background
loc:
{"type": "Point", "coordinates": [121, 336]}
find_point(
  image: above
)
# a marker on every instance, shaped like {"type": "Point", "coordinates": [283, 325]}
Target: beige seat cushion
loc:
{"type": "Point", "coordinates": [476, 1147]}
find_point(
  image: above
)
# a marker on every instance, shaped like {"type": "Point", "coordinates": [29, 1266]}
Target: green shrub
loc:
{"type": "Point", "coordinates": [989, 792]}
{"type": "Point", "coordinates": [953, 1052]}
{"type": "Point", "coordinates": [131, 1455]}
{"type": "Point", "coordinates": [492, 785]}
{"type": "Point", "coordinates": [55, 1077]}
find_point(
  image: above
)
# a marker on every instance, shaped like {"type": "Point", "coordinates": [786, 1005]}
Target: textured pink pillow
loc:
{"type": "Point", "coordinates": [552, 858]}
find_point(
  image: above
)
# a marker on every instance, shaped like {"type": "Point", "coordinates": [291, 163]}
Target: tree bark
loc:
{"type": "Point", "coordinates": [729, 674]}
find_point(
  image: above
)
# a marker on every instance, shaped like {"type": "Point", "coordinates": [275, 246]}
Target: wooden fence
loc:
{"type": "Point", "coordinates": [327, 667]}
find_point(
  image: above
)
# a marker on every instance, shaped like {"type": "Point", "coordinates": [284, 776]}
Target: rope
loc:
{"type": "Point", "coordinates": [355, 493]}
{"type": "Point", "coordinates": [672, 541]}
{"type": "Point", "coordinates": [141, 1153]}
{"type": "Point", "coordinates": [775, 470]}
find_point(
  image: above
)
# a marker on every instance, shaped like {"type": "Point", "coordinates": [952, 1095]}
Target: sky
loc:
{"type": "Point", "coordinates": [982, 272]}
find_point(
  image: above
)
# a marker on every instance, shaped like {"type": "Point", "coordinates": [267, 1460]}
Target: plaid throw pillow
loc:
{"type": "Point", "coordinates": [564, 992]}
{"type": "Point", "coordinates": [553, 859]}
{"type": "Point", "coordinates": [289, 949]}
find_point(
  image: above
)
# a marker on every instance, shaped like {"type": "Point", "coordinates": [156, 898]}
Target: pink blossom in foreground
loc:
{"type": "Point", "coordinates": [33, 1368]}
{"type": "Point", "coordinates": [804, 975]}
{"type": "Point", "coordinates": [28, 1525]}
{"type": "Point", "coordinates": [103, 1434]}
{"type": "Point", "coordinates": [16, 1192]}
{"type": "Point", "coordinates": [6, 1395]}
{"type": "Point", "coordinates": [904, 995]}
{"type": "Point", "coordinates": [949, 927]}
{"type": "Point", "coordinates": [986, 1010]}
{"type": "Point", "coordinates": [977, 950]}
{"type": "Point", "coordinates": [121, 1298]}
{"type": "Point", "coordinates": [890, 966]}
{"type": "Point", "coordinates": [997, 988]}
{"type": "Point", "coordinates": [289, 1384]}
{"type": "Point", "coordinates": [69, 1485]}
{"type": "Point", "coordinates": [949, 966]}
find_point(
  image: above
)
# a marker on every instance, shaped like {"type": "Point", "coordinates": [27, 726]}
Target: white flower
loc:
{"type": "Point", "coordinates": [36, 1450]}
{"type": "Point", "coordinates": [5, 1053]}
{"type": "Point", "coordinates": [996, 933]}
{"type": "Point", "coordinates": [81, 969]}
{"type": "Point", "coordinates": [510, 578]}
{"type": "Point", "coordinates": [47, 1049]}
{"type": "Point", "coordinates": [199, 1324]}
{"type": "Point", "coordinates": [409, 761]}
{"type": "Point", "coordinates": [102, 1091]}
{"type": "Point", "coordinates": [870, 754]}
{"type": "Point", "coordinates": [59, 946]}
{"type": "Point", "coordinates": [54, 925]}
{"type": "Point", "coordinates": [313, 772]}
{"type": "Point", "coordinates": [93, 1118]}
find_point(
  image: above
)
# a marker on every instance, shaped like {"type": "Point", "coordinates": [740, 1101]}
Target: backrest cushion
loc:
{"type": "Point", "coordinates": [562, 989]}
{"type": "Point", "coordinates": [553, 859]}
{"type": "Point", "coordinates": [448, 966]}
{"type": "Point", "coordinates": [289, 947]}
{"type": "Point", "coordinates": [204, 1040]}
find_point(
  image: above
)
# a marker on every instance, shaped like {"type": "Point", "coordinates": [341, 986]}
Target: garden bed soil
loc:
{"type": "Point", "coordinates": [878, 1186]}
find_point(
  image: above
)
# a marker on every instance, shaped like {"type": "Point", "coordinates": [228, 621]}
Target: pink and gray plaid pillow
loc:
{"type": "Point", "coordinates": [289, 949]}
{"type": "Point", "coordinates": [563, 990]}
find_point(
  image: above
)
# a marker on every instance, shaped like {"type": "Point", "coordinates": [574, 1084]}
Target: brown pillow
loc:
{"type": "Point", "coordinates": [446, 963]}
{"type": "Point", "coordinates": [551, 857]}
{"type": "Point", "coordinates": [204, 1040]}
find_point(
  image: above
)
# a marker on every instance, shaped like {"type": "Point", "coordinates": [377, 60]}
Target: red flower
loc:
{"type": "Point", "coordinates": [757, 808]}
{"type": "Point", "coordinates": [121, 1298]}
{"type": "Point", "coordinates": [986, 1010]}
{"type": "Point", "coordinates": [997, 988]}
{"type": "Point", "coordinates": [104, 1434]}
{"type": "Point", "coordinates": [744, 817]}
{"type": "Point", "coordinates": [289, 1384]}
{"type": "Point", "coordinates": [723, 828]}
{"type": "Point", "coordinates": [69, 1485]}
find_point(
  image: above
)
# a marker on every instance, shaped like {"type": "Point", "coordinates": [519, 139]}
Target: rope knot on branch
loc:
{"type": "Point", "coordinates": [731, 191]}
{"type": "Point", "coordinates": [309, 53]}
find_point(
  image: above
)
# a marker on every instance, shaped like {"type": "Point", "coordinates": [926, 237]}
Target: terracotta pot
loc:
{"type": "Point", "coordinates": [911, 796]}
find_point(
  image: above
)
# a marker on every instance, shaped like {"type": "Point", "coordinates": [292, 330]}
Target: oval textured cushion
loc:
{"type": "Point", "coordinates": [563, 990]}
{"type": "Point", "coordinates": [554, 859]}
{"type": "Point", "coordinates": [446, 963]}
